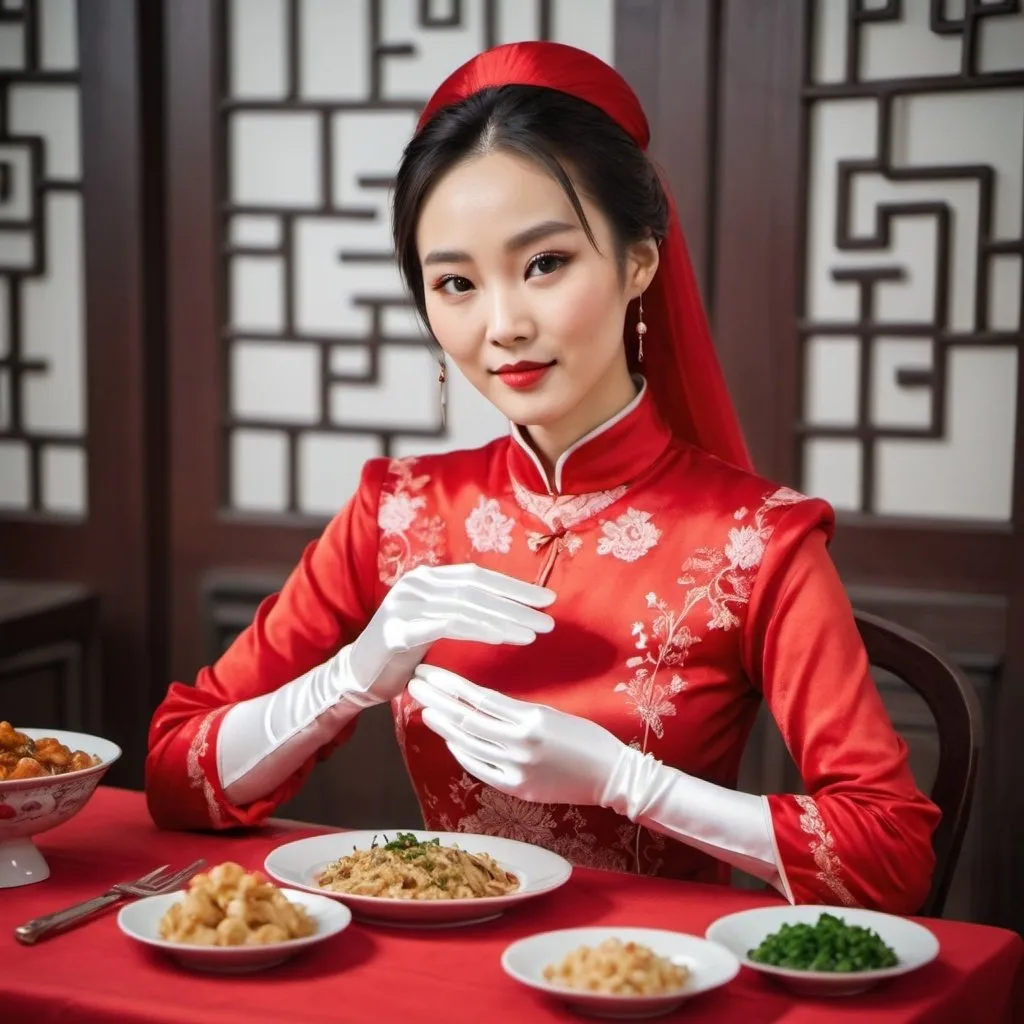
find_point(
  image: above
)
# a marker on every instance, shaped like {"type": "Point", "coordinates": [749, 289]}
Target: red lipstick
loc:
{"type": "Point", "coordinates": [523, 375]}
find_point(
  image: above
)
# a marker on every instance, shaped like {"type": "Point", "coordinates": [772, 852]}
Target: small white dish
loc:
{"type": "Point", "coordinates": [539, 871]}
{"type": "Point", "coordinates": [710, 967]}
{"type": "Point", "coordinates": [913, 944]}
{"type": "Point", "coordinates": [141, 921]}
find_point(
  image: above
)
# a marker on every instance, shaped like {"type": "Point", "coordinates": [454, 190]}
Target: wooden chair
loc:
{"type": "Point", "coordinates": [957, 712]}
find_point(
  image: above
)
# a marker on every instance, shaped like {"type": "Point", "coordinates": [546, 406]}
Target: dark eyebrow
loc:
{"type": "Point", "coordinates": [528, 237]}
{"type": "Point", "coordinates": [538, 232]}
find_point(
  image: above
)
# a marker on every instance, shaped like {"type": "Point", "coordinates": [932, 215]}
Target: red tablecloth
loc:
{"type": "Point", "coordinates": [95, 975]}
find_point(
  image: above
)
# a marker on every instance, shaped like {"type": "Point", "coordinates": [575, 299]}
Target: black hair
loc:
{"type": "Point", "coordinates": [557, 131]}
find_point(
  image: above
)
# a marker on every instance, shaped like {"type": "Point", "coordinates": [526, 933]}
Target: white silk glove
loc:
{"type": "Point", "coordinates": [542, 755]}
{"type": "Point", "coordinates": [263, 741]}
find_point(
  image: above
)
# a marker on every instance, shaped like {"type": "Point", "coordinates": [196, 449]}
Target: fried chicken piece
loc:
{"type": "Point", "coordinates": [266, 934]}
{"type": "Point", "coordinates": [232, 931]}
{"type": "Point", "coordinates": [53, 754]}
{"type": "Point", "coordinates": [27, 768]}
{"type": "Point", "coordinates": [80, 759]}
{"type": "Point", "coordinates": [14, 741]}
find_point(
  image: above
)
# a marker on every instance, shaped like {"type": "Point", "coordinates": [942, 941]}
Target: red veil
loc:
{"type": "Point", "coordinates": [680, 362]}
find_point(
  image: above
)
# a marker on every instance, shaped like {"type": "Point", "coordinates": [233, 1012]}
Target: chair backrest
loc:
{"type": "Point", "coordinates": [957, 712]}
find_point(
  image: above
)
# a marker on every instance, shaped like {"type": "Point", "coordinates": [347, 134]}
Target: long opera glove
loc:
{"type": "Point", "coordinates": [265, 740]}
{"type": "Point", "coordinates": [542, 755]}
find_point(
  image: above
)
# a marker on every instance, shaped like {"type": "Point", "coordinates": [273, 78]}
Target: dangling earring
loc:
{"type": "Point", "coordinates": [442, 380]}
{"type": "Point", "coordinates": [641, 330]}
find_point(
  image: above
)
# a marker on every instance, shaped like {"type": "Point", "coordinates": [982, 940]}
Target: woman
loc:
{"type": "Point", "coordinates": [646, 589]}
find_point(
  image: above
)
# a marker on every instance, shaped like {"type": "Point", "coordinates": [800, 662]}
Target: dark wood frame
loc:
{"type": "Point", "coordinates": [119, 548]}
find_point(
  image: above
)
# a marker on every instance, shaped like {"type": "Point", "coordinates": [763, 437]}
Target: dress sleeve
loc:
{"type": "Point", "coordinates": [324, 605]}
{"type": "Point", "coordinates": [861, 836]}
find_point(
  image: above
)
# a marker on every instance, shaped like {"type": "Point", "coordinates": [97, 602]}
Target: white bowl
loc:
{"type": "Point", "coordinates": [31, 806]}
{"type": "Point", "coordinates": [710, 967]}
{"type": "Point", "coordinates": [298, 864]}
{"type": "Point", "coordinates": [913, 944]}
{"type": "Point", "coordinates": [141, 921]}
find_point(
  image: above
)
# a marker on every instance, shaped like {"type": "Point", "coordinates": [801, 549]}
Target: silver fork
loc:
{"type": "Point", "coordinates": [156, 883]}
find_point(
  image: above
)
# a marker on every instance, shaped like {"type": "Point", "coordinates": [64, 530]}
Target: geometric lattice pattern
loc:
{"type": "Point", "coordinates": [325, 362]}
{"type": "Point", "coordinates": [42, 365]}
{"type": "Point", "coordinates": [911, 313]}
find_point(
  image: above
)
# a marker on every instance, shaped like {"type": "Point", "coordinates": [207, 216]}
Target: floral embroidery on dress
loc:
{"type": "Point", "coordinates": [722, 579]}
{"type": "Point", "coordinates": [650, 700]}
{"type": "Point", "coordinates": [630, 537]}
{"type": "Point", "coordinates": [561, 512]}
{"type": "Point", "coordinates": [499, 814]}
{"type": "Point", "coordinates": [822, 848]}
{"type": "Point", "coordinates": [197, 778]}
{"type": "Point", "coordinates": [488, 528]}
{"type": "Point", "coordinates": [407, 540]}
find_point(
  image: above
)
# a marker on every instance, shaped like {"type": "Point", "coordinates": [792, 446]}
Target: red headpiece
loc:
{"type": "Point", "coordinates": [680, 361]}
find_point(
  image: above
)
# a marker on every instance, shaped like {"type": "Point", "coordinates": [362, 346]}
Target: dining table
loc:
{"type": "Point", "coordinates": [380, 974]}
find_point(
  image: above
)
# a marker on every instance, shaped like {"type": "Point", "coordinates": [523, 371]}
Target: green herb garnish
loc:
{"type": "Point", "coordinates": [829, 945]}
{"type": "Point", "coordinates": [408, 847]}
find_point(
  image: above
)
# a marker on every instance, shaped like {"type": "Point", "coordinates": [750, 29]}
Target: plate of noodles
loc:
{"type": "Point", "coordinates": [416, 878]}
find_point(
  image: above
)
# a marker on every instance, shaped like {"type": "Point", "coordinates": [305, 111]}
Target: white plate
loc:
{"type": "Point", "coordinates": [141, 921]}
{"type": "Point", "coordinates": [710, 966]}
{"type": "Point", "coordinates": [913, 944]}
{"type": "Point", "coordinates": [539, 871]}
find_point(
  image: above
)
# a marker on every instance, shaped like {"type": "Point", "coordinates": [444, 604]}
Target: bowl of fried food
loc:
{"type": "Point", "coordinates": [46, 777]}
{"type": "Point", "coordinates": [230, 920]}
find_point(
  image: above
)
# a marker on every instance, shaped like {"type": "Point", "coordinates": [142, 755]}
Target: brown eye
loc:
{"type": "Point", "coordinates": [454, 285]}
{"type": "Point", "coordinates": [544, 264]}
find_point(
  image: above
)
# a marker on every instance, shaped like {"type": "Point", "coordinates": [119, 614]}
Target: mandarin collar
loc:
{"type": "Point", "coordinates": [608, 456]}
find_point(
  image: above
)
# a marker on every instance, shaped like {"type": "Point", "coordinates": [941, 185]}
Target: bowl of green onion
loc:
{"type": "Point", "coordinates": [825, 951]}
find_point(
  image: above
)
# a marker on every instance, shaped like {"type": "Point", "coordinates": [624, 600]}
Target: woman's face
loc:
{"type": "Point", "coordinates": [523, 303]}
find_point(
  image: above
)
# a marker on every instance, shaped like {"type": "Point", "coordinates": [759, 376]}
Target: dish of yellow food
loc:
{"type": "Point", "coordinates": [617, 968]}
{"type": "Point", "coordinates": [22, 757]}
{"type": "Point", "coordinates": [229, 906]}
{"type": "Point", "coordinates": [407, 868]}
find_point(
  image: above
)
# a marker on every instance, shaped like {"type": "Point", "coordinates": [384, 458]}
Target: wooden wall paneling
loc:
{"type": "Point", "coordinates": [757, 250]}
{"type": "Point", "coordinates": [124, 264]}
{"type": "Point", "coordinates": [116, 548]}
{"type": "Point", "coordinates": [668, 54]}
{"type": "Point", "coordinates": [202, 532]}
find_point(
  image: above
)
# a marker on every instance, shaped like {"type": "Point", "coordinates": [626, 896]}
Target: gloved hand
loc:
{"type": "Point", "coordinates": [542, 755]}
{"type": "Point", "coordinates": [450, 602]}
{"type": "Point", "coordinates": [262, 741]}
{"type": "Point", "coordinates": [528, 750]}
